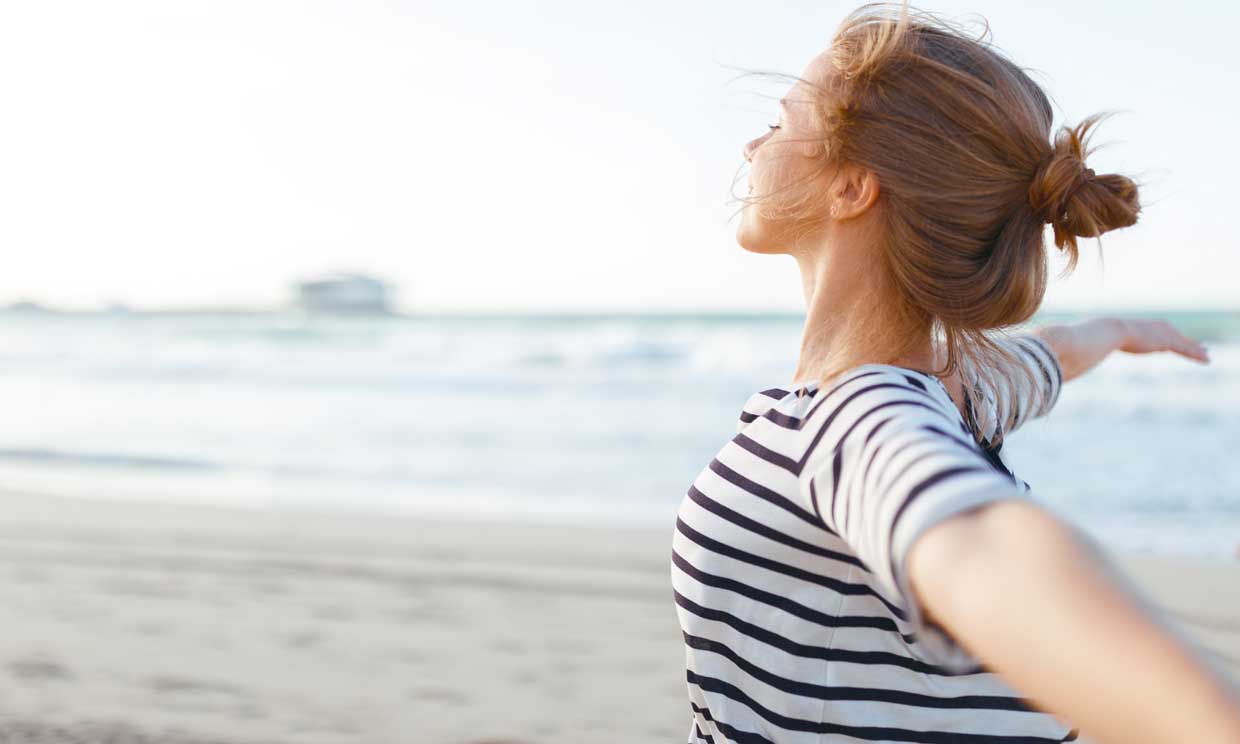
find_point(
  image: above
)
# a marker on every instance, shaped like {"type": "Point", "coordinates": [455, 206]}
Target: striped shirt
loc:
{"type": "Point", "coordinates": [788, 564]}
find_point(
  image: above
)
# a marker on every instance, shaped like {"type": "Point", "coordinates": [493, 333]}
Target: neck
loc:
{"type": "Point", "coordinates": [842, 303]}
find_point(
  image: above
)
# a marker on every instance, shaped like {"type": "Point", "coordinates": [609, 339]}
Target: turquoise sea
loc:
{"type": "Point", "coordinates": [577, 419]}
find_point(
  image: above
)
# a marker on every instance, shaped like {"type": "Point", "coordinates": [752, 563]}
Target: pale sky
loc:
{"type": "Point", "coordinates": [527, 156]}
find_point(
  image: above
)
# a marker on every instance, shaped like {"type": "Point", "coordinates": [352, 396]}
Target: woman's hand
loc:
{"type": "Point", "coordinates": [1144, 336]}
{"type": "Point", "coordinates": [1081, 346]}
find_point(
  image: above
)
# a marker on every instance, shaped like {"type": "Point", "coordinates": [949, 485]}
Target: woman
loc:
{"type": "Point", "coordinates": [858, 563]}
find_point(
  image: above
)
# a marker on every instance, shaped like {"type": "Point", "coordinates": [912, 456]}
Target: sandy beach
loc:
{"type": "Point", "coordinates": [131, 622]}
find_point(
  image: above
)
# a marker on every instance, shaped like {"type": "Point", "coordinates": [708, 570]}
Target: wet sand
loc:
{"type": "Point", "coordinates": [129, 622]}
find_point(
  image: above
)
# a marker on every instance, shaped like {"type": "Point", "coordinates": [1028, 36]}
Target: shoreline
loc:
{"type": "Point", "coordinates": [189, 623]}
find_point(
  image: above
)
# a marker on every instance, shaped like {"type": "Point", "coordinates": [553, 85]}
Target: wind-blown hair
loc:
{"type": "Point", "coordinates": [969, 175]}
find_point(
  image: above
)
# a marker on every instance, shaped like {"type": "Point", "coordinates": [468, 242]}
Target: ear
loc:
{"type": "Point", "coordinates": [853, 191]}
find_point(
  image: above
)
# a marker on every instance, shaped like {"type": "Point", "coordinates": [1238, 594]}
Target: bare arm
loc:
{"type": "Point", "coordinates": [1081, 346]}
{"type": "Point", "coordinates": [1040, 604]}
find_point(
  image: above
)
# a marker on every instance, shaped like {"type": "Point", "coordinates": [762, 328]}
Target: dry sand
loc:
{"type": "Point", "coordinates": [126, 622]}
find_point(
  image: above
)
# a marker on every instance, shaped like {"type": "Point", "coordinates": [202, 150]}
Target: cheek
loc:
{"type": "Point", "coordinates": [777, 182]}
{"type": "Point", "coordinates": [778, 171]}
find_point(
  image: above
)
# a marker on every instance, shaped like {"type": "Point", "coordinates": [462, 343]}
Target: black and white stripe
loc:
{"type": "Point", "coordinates": [1007, 391]}
{"type": "Point", "coordinates": [788, 555]}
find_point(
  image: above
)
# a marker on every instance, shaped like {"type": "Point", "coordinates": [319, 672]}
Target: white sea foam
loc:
{"type": "Point", "coordinates": [576, 419]}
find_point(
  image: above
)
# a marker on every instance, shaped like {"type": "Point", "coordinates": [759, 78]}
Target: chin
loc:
{"type": "Point", "coordinates": [755, 236]}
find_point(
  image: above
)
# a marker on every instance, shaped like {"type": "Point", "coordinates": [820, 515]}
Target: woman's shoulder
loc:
{"type": "Point", "coordinates": [850, 398]}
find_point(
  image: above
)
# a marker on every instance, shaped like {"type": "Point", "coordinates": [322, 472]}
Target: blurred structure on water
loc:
{"type": "Point", "coordinates": [344, 293]}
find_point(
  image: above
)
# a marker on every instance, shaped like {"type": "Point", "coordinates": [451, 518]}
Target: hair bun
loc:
{"type": "Point", "coordinates": [1055, 183]}
{"type": "Point", "coordinates": [1072, 198]}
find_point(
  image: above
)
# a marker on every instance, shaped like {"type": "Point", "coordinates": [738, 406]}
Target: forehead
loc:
{"type": "Point", "coordinates": [814, 82]}
{"type": "Point", "coordinates": [818, 71]}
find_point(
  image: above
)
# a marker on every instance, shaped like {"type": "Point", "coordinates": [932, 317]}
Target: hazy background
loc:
{"type": "Point", "coordinates": [548, 155]}
{"type": "Point", "coordinates": [570, 327]}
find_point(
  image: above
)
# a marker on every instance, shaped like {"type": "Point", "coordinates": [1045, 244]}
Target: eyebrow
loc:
{"type": "Point", "coordinates": [783, 104]}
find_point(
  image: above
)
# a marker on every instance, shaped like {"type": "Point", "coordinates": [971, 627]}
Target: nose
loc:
{"type": "Point", "coordinates": [752, 145]}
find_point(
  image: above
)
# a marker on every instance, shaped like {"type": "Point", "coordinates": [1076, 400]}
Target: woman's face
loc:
{"type": "Point", "coordinates": [782, 163]}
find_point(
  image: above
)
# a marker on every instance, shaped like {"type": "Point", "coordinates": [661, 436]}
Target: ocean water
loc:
{"type": "Point", "coordinates": [599, 419]}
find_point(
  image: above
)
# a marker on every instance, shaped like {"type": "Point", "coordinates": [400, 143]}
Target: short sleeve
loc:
{"type": "Point", "coordinates": [899, 470]}
{"type": "Point", "coordinates": [1017, 395]}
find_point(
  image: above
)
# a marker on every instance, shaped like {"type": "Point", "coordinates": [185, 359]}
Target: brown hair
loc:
{"type": "Point", "coordinates": [959, 138]}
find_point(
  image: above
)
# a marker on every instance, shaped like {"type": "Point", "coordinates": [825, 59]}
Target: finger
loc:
{"type": "Point", "coordinates": [1192, 344]}
{"type": "Point", "coordinates": [1152, 335]}
{"type": "Point", "coordinates": [1173, 340]}
{"type": "Point", "coordinates": [1193, 349]}
{"type": "Point", "coordinates": [1193, 353]}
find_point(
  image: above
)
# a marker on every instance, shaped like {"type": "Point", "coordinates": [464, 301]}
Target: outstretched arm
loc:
{"type": "Point", "coordinates": [1038, 603]}
{"type": "Point", "coordinates": [1081, 346]}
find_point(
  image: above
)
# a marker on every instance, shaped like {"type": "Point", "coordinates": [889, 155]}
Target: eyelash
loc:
{"type": "Point", "coordinates": [772, 127]}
